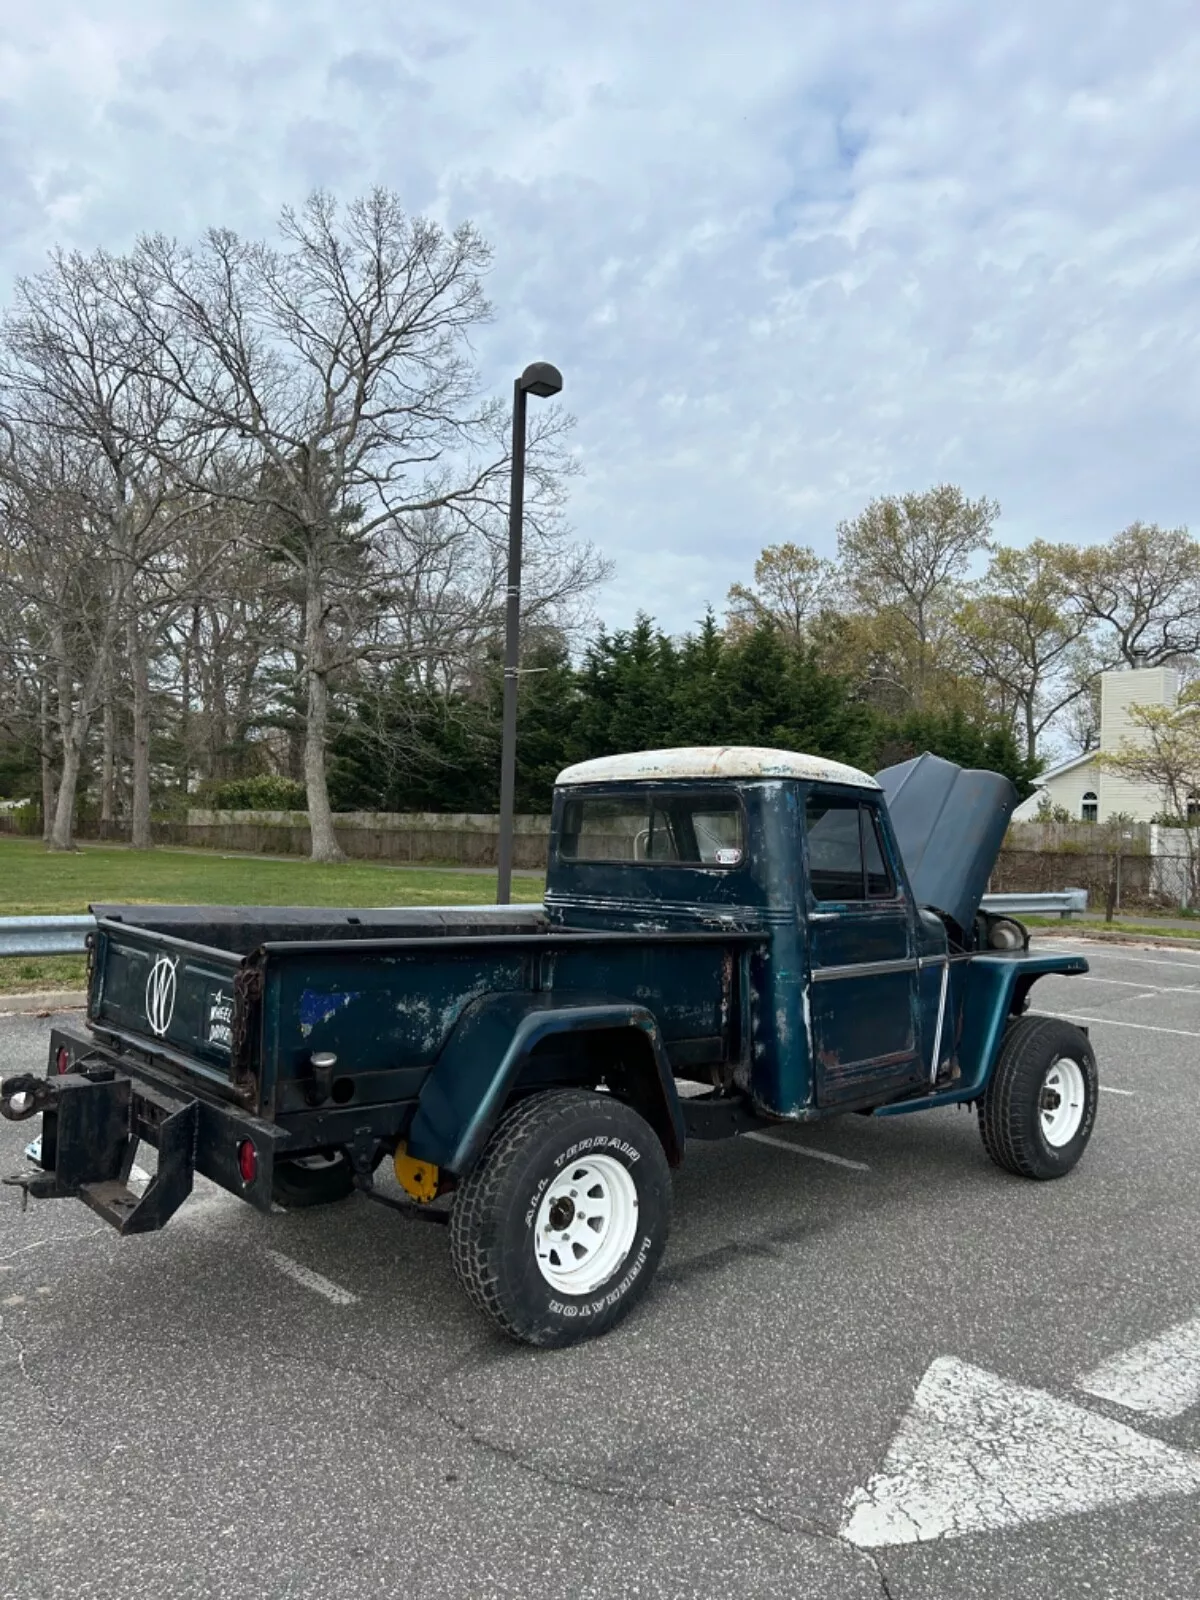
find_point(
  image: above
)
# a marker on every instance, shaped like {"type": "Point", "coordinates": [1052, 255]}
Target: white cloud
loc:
{"type": "Point", "coordinates": [787, 257]}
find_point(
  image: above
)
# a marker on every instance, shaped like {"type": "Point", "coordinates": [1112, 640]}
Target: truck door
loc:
{"type": "Point", "coordinates": [862, 959]}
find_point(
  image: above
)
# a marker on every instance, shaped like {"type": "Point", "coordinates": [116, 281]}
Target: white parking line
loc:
{"type": "Point", "coordinates": [310, 1279]}
{"type": "Point", "coordinates": [1144, 1027]}
{"type": "Point", "coordinates": [1141, 961]}
{"type": "Point", "coordinates": [1160, 1377]}
{"type": "Point", "coordinates": [805, 1150]}
{"type": "Point", "coordinates": [1126, 983]}
{"type": "Point", "coordinates": [1107, 1088]}
{"type": "Point", "coordinates": [977, 1452]}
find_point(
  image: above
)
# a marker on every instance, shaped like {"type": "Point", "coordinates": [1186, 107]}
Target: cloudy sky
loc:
{"type": "Point", "coordinates": [789, 255]}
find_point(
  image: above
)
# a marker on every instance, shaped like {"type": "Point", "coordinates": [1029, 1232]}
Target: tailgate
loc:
{"type": "Point", "coordinates": [175, 1000]}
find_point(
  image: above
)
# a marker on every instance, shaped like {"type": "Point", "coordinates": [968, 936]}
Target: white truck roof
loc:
{"type": "Point", "coordinates": [713, 761]}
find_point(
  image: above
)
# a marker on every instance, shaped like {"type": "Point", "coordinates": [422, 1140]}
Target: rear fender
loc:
{"type": "Point", "coordinates": [481, 1064]}
{"type": "Point", "coordinates": [996, 989]}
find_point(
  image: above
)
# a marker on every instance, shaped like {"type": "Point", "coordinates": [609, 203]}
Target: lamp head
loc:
{"type": "Point", "coordinates": [540, 378]}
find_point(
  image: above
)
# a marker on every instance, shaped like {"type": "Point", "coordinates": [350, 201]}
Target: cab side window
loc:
{"type": "Point", "coordinates": [845, 851]}
{"type": "Point", "coordinates": [879, 879]}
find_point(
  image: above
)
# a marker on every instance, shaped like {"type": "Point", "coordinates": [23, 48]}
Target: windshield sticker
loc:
{"type": "Point", "coordinates": [728, 857]}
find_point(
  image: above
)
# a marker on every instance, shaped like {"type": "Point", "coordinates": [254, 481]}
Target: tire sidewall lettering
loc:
{"type": "Point", "coordinates": [599, 1141]}
{"type": "Point", "coordinates": [587, 1307]}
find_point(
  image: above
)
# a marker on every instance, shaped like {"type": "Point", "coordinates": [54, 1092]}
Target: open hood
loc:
{"type": "Point", "coordinates": [949, 824]}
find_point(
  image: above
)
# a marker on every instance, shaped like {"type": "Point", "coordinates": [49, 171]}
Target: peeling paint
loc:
{"type": "Point", "coordinates": [783, 1031]}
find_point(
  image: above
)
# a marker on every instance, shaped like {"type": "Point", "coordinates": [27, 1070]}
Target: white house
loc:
{"type": "Point", "coordinates": [1081, 785]}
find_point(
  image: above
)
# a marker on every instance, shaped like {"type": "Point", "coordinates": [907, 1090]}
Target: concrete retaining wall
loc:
{"type": "Point", "coordinates": [464, 839]}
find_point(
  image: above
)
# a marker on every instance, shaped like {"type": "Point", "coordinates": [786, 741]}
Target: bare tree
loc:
{"type": "Point", "coordinates": [903, 562]}
{"type": "Point", "coordinates": [1164, 754]}
{"type": "Point", "coordinates": [792, 585]}
{"type": "Point", "coordinates": [1144, 585]}
{"type": "Point", "coordinates": [72, 370]}
{"type": "Point", "coordinates": [338, 365]}
{"type": "Point", "coordinates": [60, 564]}
{"type": "Point", "coordinates": [1027, 636]}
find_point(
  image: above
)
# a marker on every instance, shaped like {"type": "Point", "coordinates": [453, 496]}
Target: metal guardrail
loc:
{"type": "Point", "coordinates": [44, 936]}
{"type": "Point", "coordinates": [1063, 903]}
{"type": "Point", "coordinates": [64, 936]}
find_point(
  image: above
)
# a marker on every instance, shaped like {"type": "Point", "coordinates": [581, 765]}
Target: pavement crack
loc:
{"type": "Point", "coordinates": [54, 1238]}
{"type": "Point", "coordinates": [885, 1587]}
{"type": "Point", "coordinates": [789, 1526]}
{"type": "Point", "coordinates": [10, 1338]}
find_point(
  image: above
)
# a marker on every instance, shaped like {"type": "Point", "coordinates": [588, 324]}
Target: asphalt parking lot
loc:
{"type": "Point", "coordinates": [872, 1365]}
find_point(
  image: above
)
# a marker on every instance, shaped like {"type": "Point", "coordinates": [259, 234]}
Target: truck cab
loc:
{"type": "Point", "coordinates": [730, 938]}
{"type": "Point", "coordinates": [855, 988]}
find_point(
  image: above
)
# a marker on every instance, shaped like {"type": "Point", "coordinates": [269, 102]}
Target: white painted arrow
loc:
{"type": "Point", "coordinates": [1160, 1378]}
{"type": "Point", "coordinates": [976, 1452]}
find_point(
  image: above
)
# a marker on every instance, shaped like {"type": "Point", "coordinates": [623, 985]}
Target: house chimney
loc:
{"type": "Point", "coordinates": [1137, 659]}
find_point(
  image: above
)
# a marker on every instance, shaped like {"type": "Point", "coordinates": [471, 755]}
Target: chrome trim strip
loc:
{"type": "Point", "coordinates": [863, 969]}
{"type": "Point", "coordinates": [937, 1037]}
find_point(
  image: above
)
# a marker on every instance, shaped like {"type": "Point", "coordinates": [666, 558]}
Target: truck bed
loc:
{"type": "Point", "coordinates": [239, 930]}
{"type": "Point", "coordinates": [238, 1000]}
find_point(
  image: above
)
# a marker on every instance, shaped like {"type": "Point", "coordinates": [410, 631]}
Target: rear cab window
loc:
{"type": "Point", "coordinates": [846, 858]}
{"type": "Point", "coordinates": [683, 829]}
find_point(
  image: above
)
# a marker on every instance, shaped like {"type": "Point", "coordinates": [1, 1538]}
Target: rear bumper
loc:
{"type": "Point", "coordinates": [95, 1113]}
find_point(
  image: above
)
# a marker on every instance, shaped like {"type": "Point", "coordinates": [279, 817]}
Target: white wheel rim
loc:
{"type": "Point", "coordinates": [1061, 1102]}
{"type": "Point", "coordinates": [585, 1224]}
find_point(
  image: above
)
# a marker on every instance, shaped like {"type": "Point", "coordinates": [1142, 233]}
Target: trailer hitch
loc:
{"type": "Point", "coordinates": [23, 1096]}
{"type": "Point", "coordinates": [89, 1138]}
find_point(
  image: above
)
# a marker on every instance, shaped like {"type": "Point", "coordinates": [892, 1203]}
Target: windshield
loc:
{"type": "Point", "coordinates": [644, 825]}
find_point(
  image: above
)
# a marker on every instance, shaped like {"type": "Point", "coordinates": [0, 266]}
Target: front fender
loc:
{"type": "Point", "coordinates": [462, 1098]}
{"type": "Point", "coordinates": [995, 987]}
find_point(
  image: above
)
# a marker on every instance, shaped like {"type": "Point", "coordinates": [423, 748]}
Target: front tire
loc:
{"type": "Point", "coordinates": [557, 1232]}
{"type": "Point", "coordinates": [1039, 1107]}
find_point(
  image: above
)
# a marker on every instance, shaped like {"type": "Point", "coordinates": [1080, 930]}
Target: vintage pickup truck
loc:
{"type": "Point", "coordinates": [785, 937]}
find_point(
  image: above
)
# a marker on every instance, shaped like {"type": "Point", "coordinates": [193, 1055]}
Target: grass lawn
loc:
{"type": "Point", "coordinates": [1167, 928]}
{"type": "Point", "coordinates": [34, 880]}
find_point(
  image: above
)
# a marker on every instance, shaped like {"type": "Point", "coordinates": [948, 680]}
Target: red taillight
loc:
{"type": "Point", "coordinates": [247, 1161]}
{"type": "Point", "coordinates": [62, 1060]}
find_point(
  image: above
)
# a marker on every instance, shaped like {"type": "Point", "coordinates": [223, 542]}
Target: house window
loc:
{"type": "Point", "coordinates": [1193, 809]}
{"type": "Point", "coordinates": [1090, 809]}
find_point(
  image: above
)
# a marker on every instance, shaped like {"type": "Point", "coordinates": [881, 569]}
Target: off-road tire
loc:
{"type": "Point", "coordinates": [1010, 1112]}
{"type": "Point", "coordinates": [296, 1188]}
{"type": "Point", "coordinates": [493, 1224]}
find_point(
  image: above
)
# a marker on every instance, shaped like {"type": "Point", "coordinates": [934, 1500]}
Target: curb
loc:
{"type": "Point", "coordinates": [43, 1004]}
{"type": "Point", "coordinates": [1102, 936]}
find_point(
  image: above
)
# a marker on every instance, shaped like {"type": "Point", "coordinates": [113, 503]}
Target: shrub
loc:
{"type": "Point", "coordinates": [267, 792]}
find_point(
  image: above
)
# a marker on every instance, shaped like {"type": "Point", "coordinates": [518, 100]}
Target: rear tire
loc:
{"type": "Point", "coordinates": [1039, 1107]}
{"type": "Point", "coordinates": [312, 1181]}
{"type": "Point", "coordinates": [557, 1232]}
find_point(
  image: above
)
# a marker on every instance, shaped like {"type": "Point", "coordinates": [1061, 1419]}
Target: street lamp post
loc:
{"type": "Point", "coordinates": [539, 378]}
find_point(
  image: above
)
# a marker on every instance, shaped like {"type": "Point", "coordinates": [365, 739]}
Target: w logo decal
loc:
{"type": "Point", "coordinates": [160, 995]}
